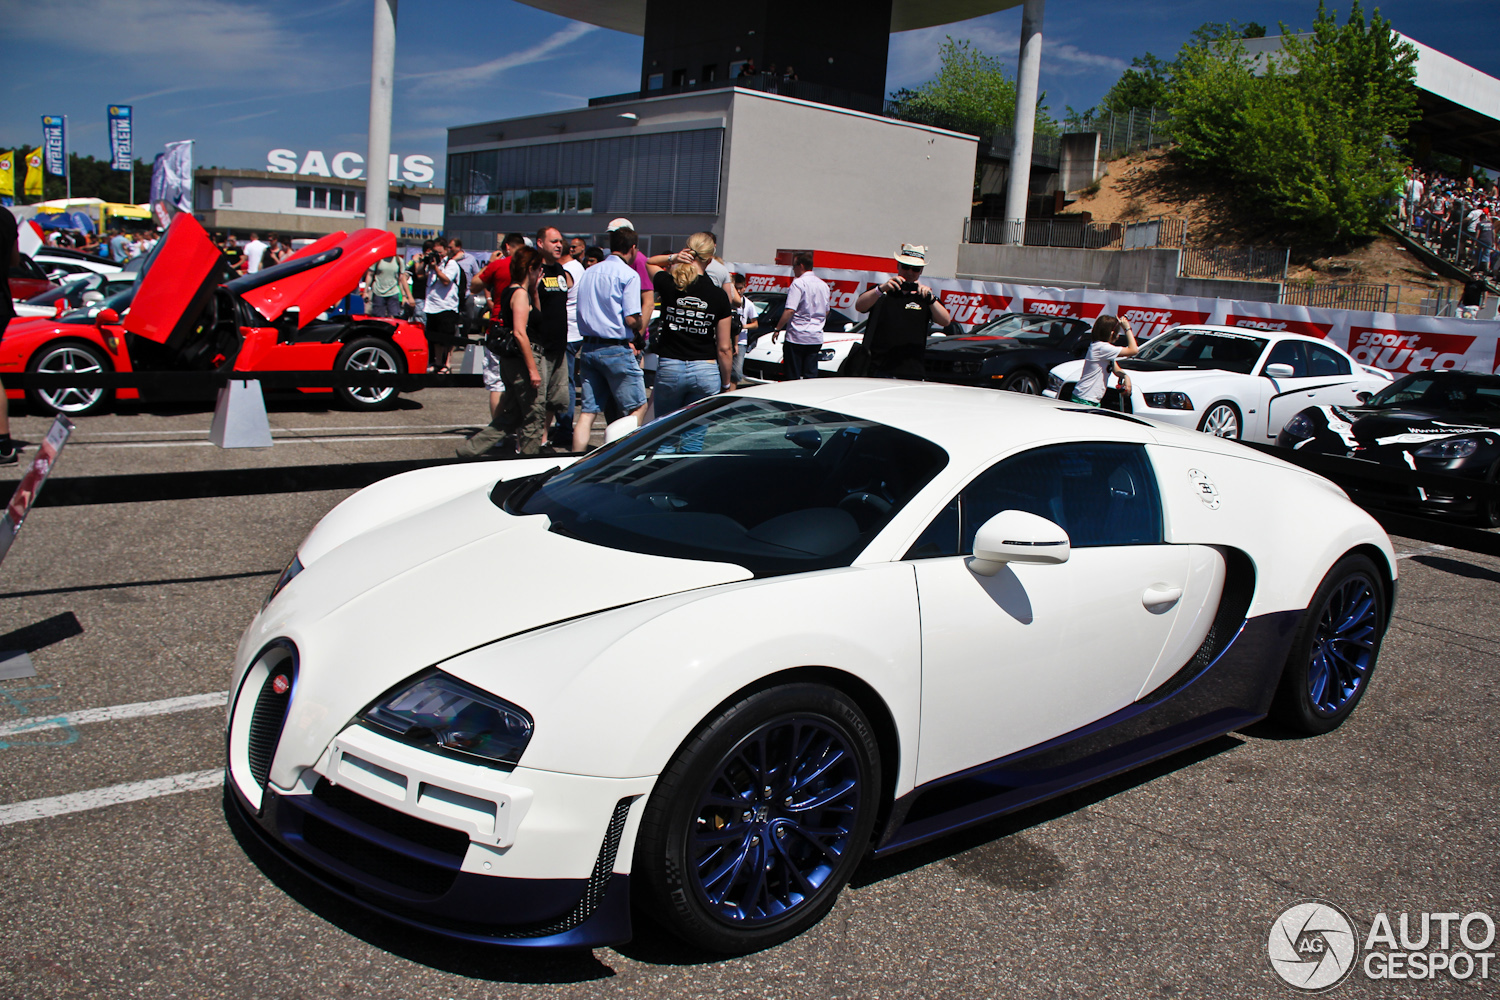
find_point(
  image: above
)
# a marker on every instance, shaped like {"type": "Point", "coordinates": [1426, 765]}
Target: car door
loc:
{"type": "Point", "coordinates": [1036, 651]}
{"type": "Point", "coordinates": [1320, 375]}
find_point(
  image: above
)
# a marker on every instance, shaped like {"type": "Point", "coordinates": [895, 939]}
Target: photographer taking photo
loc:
{"type": "Point", "coordinates": [1102, 358]}
{"type": "Point", "coordinates": [441, 303]}
{"type": "Point", "coordinates": [901, 310]}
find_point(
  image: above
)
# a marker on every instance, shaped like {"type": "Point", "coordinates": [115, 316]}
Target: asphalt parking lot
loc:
{"type": "Point", "coordinates": [1163, 882]}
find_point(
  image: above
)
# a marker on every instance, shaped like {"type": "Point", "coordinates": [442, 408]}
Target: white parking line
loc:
{"type": "Point", "coordinates": [140, 709]}
{"type": "Point", "coordinates": [20, 812]}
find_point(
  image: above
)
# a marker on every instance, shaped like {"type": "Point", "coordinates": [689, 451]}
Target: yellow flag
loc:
{"type": "Point", "coordinates": [8, 174]}
{"type": "Point", "coordinates": [34, 173]}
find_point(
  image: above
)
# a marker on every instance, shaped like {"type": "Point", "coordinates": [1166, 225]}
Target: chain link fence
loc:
{"type": "Point", "coordinates": [1136, 129]}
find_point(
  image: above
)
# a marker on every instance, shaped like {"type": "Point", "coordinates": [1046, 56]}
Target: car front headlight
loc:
{"type": "Point", "coordinates": [1169, 400]}
{"type": "Point", "coordinates": [1299, 428]}
{"type": "Point", "coordinates": [1054, 383]}
{"type": "Point", "coordinates": [287, 575]}
{"type": "Point", "coordinates": [442, 714]}
{"type": "Point", "coordinates": [1451, 448]}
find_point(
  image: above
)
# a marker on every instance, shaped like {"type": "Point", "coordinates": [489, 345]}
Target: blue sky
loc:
{"type": "Point", "coordinates": [242, 77]}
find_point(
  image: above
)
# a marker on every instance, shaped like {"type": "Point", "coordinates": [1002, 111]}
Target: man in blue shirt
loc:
{"type": "Point", "coordinates": [609, 315]}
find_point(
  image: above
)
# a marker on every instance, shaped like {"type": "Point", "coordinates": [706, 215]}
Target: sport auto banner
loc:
{"type": "Point", "coordinates": [55, 144]}
{"type": "Point", "coordinates": [31, 484]}
{"type": "Point", "coordinates": [1399, 344]}
{"type": "Point", "coordinates": [120, 142]}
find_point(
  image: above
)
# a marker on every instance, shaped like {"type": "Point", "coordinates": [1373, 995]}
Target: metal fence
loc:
{"type": "Point", "coordinates": [1365, 298]}
{"type": "Point", "coordinates": [1139, 128]}
{"type": "Point", "coordinates": [1062, 231]}
{"type": "Point", "coordinates": [1242, 263]}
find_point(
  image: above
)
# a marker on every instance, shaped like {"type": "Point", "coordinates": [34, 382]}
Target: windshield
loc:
{"type": "Point", "coordinates": [1234, 352]}
{"type": "Point", "coordinates": [73, 288]}
{"type": "Point", "coordinates": [1033, 331]}
{"type": "Point", "coordinates": [119, 302]}
{"type": "Point", "coordinates": [1476, 394]}
{"type": "Point", "coordinates": [771, 486]}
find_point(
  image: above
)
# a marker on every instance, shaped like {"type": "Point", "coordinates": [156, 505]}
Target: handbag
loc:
{"type": "Point", "coordinates": [500, 340]}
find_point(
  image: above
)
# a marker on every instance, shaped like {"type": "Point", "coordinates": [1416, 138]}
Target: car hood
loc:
{"type": "Point", "coordinates": [413, 592]}
{"type": "Point", "coordinates": [1406, 427]}
{"type": "Point", "coordinates": [974, 346]}
{"type": "Point", "coordinates": [1151, 378]}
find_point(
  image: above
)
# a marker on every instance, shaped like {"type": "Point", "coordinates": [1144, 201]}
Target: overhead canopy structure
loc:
{"type": "Point", "coordinates": [906, 15]}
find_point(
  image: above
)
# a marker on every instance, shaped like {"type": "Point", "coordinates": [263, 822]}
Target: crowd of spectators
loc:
{"type": "Point", "coordinates": [1452, 217]}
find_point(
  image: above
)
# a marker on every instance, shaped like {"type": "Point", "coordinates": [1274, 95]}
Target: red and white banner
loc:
{"type": "Point", "coordinates": [1398, 344]}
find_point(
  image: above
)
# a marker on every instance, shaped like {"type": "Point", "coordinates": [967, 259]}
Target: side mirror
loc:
{"type": "Point", "coordinates": [848, 327]}
{"type": "Point", "coordinates": [89, 298]}
{"type": "Point", "coordinates": [107, 316]}
{"type": "Point", "coordinates": [1280, 371]}
{"type": "Point", "coordinates": [1363, 397]}
{"type": "Point", "coordinates": [1017, 536]}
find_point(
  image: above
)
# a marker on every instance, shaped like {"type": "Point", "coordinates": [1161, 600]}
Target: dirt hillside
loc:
{"type": "Point", "coordinates": [1144, 185]}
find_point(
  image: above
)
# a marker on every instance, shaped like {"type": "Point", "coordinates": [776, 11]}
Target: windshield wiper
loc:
{"type": "Point", "coordinates": [517, 500]}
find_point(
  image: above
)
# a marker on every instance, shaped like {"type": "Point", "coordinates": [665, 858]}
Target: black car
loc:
{"type": "Point", "coordinates": [1014, 351]}
{"type": "Point", "coordinates": [1442, 421]}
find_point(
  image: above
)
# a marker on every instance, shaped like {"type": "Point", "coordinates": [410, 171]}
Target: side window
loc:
{"type": "Point", "coordinates": [1326, 361]}
{"type": "Point", "coordinates": [1288, 352]}
{"type": "Point", "coordinates": [940, 537]}
{"type": "Point", "coordinates": [1099, 493]}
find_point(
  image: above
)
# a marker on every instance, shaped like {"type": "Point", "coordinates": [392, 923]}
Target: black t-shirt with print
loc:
{"type": "Point", "coordinates": [901, 328]}
{"type": "Point", "coordinates": [689, 318]}
{"type": "Point", "coordinates": [550, 330]}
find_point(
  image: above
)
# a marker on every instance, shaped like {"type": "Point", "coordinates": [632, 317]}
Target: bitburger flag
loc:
{"type": "Point", "coordinates": [55, 142]}
{"type": "Point", "coordinates": [34, 173]}
{"type": "Point", "coordinates": [172, 181]}
{"type": "Point", "coordinates": [8, 174]}
{"type": "Point", "coordinates": [120, 150]}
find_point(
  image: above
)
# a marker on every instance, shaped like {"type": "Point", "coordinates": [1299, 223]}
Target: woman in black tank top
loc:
{"type": "Point", "coordinates": [513, 308]}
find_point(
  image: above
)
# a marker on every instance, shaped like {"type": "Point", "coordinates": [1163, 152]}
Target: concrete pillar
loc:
{"type": "Point", "coordinates": [1028, 73]}
{"type": "Point", "coordinates": [382, 78]}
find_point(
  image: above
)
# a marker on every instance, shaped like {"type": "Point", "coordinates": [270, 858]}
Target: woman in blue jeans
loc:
{"type": "Point", "coordinates": [694, 348]}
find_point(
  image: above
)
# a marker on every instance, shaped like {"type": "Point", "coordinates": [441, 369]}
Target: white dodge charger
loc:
{"type": "Point", "coordinates": [710, 668]}
{"type": "Point", "coordinates": [1233, 382]}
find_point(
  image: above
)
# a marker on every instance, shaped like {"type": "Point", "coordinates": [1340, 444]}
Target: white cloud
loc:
{"type": "Point", "coordinates": [914, 54]}
{"type": "Point", "coordinates": [218, 36]}
{"type": "Point", "coordinates": [479, 73]}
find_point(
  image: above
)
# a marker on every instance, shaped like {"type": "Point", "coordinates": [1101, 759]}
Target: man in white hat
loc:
{"type": "Point", "coordinates": [648, 288]}
{"type": "Point", "coordinates": [902, 311]}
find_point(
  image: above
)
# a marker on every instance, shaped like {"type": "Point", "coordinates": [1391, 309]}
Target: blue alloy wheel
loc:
{"type": "Point", "coordinates": [760, 818]}
{"type": "Point", "coordinates": [775, 820]}
{"type": "Point", "coordinates": [1334, 649]}
{"type": "Point", "coordinates": [1343, 646]}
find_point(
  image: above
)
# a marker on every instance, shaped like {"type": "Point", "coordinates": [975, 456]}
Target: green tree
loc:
{"type": "Point", "coordinates": [973, 92]}
{"type": "Point", "coordinates": [1308, 141]}
{"type": "Point", "coordinates": [1146, 84]}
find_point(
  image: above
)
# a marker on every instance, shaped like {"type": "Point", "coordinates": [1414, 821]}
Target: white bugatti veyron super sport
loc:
{"type": "Point", "coordinates": [710, 667]}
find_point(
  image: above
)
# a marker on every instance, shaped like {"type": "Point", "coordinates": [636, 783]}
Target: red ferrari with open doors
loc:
{"type": "Point", "coordinates": [179, 317]}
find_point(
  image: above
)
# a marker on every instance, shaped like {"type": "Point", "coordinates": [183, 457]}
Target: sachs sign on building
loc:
{"type": "Point", "coordinates": [348, 166]}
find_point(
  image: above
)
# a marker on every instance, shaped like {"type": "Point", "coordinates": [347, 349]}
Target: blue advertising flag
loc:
{"type": "Point", "coordinates": [55, 144]}
{"type": "Point", "coordinates": [120, 147]}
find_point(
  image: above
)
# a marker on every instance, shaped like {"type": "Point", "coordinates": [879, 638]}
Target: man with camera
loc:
{"type": "Point", "coordinates": [901, 310]}
{"type": "Point", "coordinates": [441, 303]}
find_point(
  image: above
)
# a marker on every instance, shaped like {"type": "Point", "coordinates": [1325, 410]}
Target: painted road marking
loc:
{"type": "Point", "coordinates": [60, 805]}
{"type": "Point", "coordinates": [140, 709]}
{"type": "Point", "coordinates": [1422, 552]}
